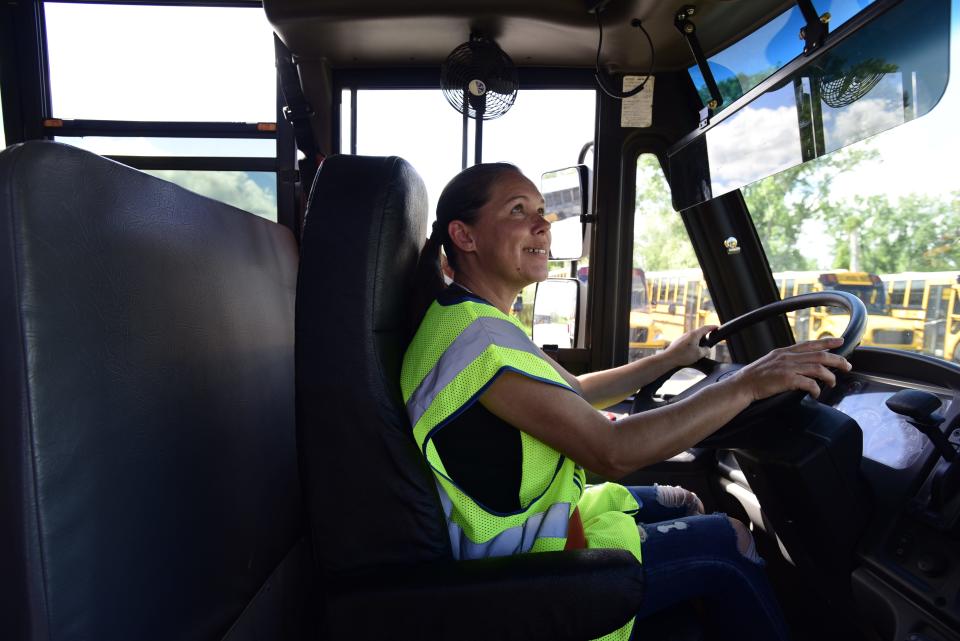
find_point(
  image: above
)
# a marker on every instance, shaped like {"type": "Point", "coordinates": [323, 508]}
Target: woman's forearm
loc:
{"type": "Point", "coordinates": [656, 435]}
{"type": "Point", "coordinates": [609, 387]}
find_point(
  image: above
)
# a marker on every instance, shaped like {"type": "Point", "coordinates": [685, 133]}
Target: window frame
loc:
{"type": "Point", "coordinates": [911, 301]}
{"type": "Point", "coordinates": [31, 116]}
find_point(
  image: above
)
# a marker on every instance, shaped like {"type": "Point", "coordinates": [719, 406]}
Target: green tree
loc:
{"type": "Point", "coordinates": [660, 240]}
{"type": "Point", "coordinates": [779, 204]}
{"type": "Point", "coordinates": [914, 233]}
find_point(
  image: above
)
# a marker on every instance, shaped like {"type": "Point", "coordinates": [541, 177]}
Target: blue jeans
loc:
{"type": "Point", "coordinates": [696, 557]}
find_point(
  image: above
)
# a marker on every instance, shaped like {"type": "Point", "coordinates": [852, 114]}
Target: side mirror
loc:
{"type": "Point", "coordinates": [566, 194]}
{"type": "Point", "coordinates": [556, 312]}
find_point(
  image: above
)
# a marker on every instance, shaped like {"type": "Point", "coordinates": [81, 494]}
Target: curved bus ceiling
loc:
{"type": "Point", "coordinates": [538, 33]}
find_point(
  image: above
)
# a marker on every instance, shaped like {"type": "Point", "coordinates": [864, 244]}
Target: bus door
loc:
{"type": "Point", "coordinates": [935, 325]}
{"type": "Point", "coordinates": [691, 307]}
{"type": "Point", "coordinates": [951, 347]}
{"type": "Point", "coordinates": [801, 321]}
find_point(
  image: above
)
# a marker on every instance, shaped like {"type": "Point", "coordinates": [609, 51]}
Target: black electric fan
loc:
{"type": "Point", "coordinates": [478, 80]}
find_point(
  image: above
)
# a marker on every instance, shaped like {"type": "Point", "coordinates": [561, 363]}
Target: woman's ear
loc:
{"type": "Point", "coordinates": [461, 236]}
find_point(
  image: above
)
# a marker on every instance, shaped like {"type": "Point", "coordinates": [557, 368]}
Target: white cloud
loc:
{"type": "Point", "coordinates": [866, 117]}
{"type": "Point", "coordinates": [754, 143]}
{"type": "Point", "coordinates": [232, 187]}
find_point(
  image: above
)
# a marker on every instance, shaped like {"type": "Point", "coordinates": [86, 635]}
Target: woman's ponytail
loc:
{"type": "Point", "coordinates": [461, 200]}
{"type": "Point", "coordinates": [428, 281]}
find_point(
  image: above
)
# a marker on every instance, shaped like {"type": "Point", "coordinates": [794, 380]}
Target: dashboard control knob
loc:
{"type": "Point", "coordinates": [932, 565]}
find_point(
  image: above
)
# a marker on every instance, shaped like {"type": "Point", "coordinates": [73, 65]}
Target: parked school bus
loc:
{"type": "Point", "coordinates": [883, 329]}
{"type": "Point", "coordinates": [665, 305]}
{"type": "Point", "coordinates": [676, 301]}
{"type": "Point", "coordinates": [931, 300]}
{"type": "Point", "coordinates": [200, 432]}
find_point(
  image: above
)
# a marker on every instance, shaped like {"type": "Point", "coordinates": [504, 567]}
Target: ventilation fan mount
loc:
{"type": "Point", "coordinates": [479, 79]}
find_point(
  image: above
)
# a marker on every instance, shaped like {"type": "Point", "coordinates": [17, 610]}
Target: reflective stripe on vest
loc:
{"type": "Point", "coordinates": [465, 348]}
{"type": "Point", "coordinates": [553, 523]}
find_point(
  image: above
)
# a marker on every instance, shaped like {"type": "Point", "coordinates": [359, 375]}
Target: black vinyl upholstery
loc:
{"type": "Point", "coordinates": [360, 239]}
{"type": "Point", "coordinates": [378, 533]}
{"type": "Point", "coordinates": [148, 473]}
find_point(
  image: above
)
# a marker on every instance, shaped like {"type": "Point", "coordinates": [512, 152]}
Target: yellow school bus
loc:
{"type": "Point", "coordinates": [672, 302]}
{"type": "Point", "coordinates": [883, 329]}
{"type": "Point", "coordinates": [665, 305]}
{"type": "Point", "coordinates": [930, 298]}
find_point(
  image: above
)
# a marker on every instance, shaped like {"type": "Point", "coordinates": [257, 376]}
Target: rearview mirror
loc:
{"type": "Point", "coordinates": [566, 194]}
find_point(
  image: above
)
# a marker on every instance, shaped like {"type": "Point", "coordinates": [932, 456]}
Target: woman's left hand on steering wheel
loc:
{"type": "Point", "coordinates": [687, 349]}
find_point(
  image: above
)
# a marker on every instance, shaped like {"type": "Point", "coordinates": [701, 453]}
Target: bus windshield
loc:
{"type": "Point", "coordinates": [878, 217]}
{"type": "Point", "coordinates": [874, 297]}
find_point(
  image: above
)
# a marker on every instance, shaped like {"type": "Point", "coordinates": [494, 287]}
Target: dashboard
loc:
{"type": "Point", "coordinates": [887, 437]}
{"type": "Point", "coordinates": [909, 556]}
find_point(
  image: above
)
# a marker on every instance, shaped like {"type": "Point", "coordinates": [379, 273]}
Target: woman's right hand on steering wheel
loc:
{"type": "Point", "coordinates": [797, 367]}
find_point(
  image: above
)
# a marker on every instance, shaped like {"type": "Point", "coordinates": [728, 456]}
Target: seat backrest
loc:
{"type": "Point", "coordinates": [148, 472]}
{"type": "Point", "coordinates": [371, 499]}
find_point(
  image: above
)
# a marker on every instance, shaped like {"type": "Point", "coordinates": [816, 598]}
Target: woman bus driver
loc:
{"type": "Point", "coordinates": [506, 431]}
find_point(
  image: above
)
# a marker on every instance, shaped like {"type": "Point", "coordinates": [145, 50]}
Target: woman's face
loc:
{"type": "Point", "coordinates": [512, 239]}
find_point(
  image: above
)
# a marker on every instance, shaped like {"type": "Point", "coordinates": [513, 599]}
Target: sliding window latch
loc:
{"type": "Point", "coordinates": [682, 21]}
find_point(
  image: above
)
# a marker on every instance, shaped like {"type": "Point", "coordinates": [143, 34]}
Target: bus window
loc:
{"type": "Point", "coordinates": [873, 296]}
{"type": "Point", "coordinates": [897, 293]}
{"type": "Point", "coordinates": [526, 136]}
{"type": "Point", "coordinates": [116, 62]}
{"type": "Point", "coordinates": [674, 289]}
{"type": "Point", "coordinates": [111, 63]}
{"type": "Point", "coordinates": [788, 288]}
{"type": "Point", "coordinates": [253, 191]}
{"type": "Point", "coordinates": [915, 298]}
{"type": "Point", "coordinates": [437, 161]}
{"type": "Point", "coordinates": [662, 249]}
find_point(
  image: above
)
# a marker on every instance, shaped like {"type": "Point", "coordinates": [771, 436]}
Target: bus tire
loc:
{"type": "Point", "coordinates": [822, 336]}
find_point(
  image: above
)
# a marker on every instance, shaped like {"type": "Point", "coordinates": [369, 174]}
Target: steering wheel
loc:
{"type": "Point", "coordinates": [731, 435]}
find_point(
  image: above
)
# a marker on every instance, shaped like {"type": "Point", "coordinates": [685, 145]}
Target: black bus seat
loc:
{"type": "Point", "coordinates": [378, 531]}
{"type": "Point", "coordinates": [148, 474]}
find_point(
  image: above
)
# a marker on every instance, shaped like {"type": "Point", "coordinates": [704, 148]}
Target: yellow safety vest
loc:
{"type": "Point", "coordinates": [458, 351]}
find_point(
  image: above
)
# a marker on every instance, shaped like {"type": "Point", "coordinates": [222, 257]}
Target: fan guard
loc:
{"type": "Point", "coordinates": [841, 86]}
{"type": "Point", "coordinates": [480, 77]}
